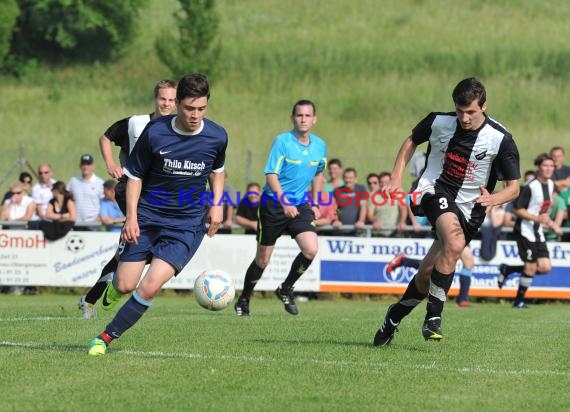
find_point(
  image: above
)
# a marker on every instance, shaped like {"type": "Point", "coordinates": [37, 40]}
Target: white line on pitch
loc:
{"type": "Point", "coordinates": [39, 318]}
{"type": "Point", "coordinates": [261, 359]}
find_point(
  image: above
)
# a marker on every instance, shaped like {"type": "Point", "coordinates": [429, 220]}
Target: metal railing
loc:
{"type": "Point", "coordinates": [349, 230]}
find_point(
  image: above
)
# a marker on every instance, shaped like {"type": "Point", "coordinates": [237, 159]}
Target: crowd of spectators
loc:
{"type": "Point", "coordinates": [344, 210]}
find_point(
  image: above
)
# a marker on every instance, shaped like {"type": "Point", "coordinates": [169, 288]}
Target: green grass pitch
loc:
{"type": "Point", "coordinates": [182, 357]}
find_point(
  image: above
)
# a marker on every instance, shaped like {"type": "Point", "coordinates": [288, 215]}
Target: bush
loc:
{"type": "Point", "coordinates": [194, 49]}
{"type": "Point", "coordinates": [60, 30]}
{"type": "Point", "coordinates": [9, 12]}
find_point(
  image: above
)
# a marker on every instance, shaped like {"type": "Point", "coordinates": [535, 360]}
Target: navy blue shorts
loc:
{"type": "Point", "coordinates": [175, 247]}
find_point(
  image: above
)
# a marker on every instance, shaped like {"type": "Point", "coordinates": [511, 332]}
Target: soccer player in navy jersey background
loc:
{"type": "Point", "coordinates": [167, 170]}
{"type": "Point", "coordinates": [124, 133]}
{"type": "Point", "coordinates": [296, 160]}
{"type": "Point", "coordinates": [467, 153]}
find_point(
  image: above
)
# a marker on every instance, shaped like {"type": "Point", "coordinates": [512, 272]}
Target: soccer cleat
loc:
{"type": "Point", "coordinates": [288, 300]}
{"type": "Point", "coordinates": [242, 307]}
{"type": "Point", "coordinates": [110, 297]}
{"type": "Point", "coordinates": [385, 334]}
{"type": "Point", "coordinates": [97, 347]}
{"type": "Point", "coordinates": [89, 311]}
{"type": "Point", "coordinates": [396, 262]}
{"type": "Point", "coordinates": [432, 329]}
{"type": "Point", "coordinates": [520, 305]}
{"type": "Point", "coordinates": [463, 304]}
{"type": "Point", "coordinates": [502, 275]}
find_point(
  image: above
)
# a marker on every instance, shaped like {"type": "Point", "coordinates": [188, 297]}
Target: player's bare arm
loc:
{"type": "Point", "coordinates": [404, 155]}
{"type": "Point", "coordinates": [318, 186]}
{"type": "Point", "coordinates": [106, 147]}
{"type": "Point", "coordinates": [131, 231]}
{"type": "Point", "coordinates": [216, 212]}
{"type": "Point", "coordinates": [509, 192]}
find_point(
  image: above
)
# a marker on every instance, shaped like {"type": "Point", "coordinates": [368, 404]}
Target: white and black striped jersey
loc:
{"type": "Point", "coordinates": [459, 161]}
{"type": "Point", "coordinates": [536, 198]}
{"type": "Point", "coordinates": [125, 133]}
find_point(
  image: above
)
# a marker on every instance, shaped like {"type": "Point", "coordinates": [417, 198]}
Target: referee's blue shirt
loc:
{"type": "Point", "coordinates": [295, 165]}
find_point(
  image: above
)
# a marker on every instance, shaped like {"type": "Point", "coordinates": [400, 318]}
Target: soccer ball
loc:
{"type": "Point", "coordinates": [214, 289]}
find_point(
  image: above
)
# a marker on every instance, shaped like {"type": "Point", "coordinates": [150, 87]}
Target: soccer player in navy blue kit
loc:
{"type": "Point", "coordinates": [124, 133]}
{"type": "Point", "coordinates": [297, 159]}
{"type": "Point", "coordinates": [468, 153]}
{"type": "Point", "coordinates": [167, 170]}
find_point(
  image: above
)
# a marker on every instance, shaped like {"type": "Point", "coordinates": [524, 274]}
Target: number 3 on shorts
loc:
{"type": "Point", "coordinates": [443, 203]}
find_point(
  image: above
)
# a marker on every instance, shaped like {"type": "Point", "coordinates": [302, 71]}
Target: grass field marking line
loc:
{"type": "Point", "coordinates": [257, 359]}
{"type": "Point", "coordinates": [39, 318]}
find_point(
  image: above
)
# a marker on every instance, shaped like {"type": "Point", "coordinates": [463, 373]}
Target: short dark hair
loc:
{"type": "Point", "coordinates": [468, 90]}
{"type": "Point", "coordinates": [110, 184]}
{"type": "Point", "coordinates": [251, 184]}
{"type": "Point", "coordinates": [541, 158]}
{"type": "Point", "coordinates": [371, 175]}
{"type": "Point", "coordinates": [24, 176]}
{"type": "Point", "coordinates": [193, 85]}
{"type": "Point", "coordinates": [303, 102]}
{"type": "Point", "coordinates": [350, 170]}
{"type": "Point", "coordinates": [335, 161]}
{"type": "Point", "coordinates": [164, 84]}
{"type": "Point", "coordinates": [529, 173]}
{"type": "Point", "coordinates": [384, 174]}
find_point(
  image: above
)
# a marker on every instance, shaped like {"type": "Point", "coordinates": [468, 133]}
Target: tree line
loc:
{"type": "Point", "coordinates": [65, 32]}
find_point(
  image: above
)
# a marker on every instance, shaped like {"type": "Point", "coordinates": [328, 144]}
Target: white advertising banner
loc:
{"type": "Point", "coordinates": [77, 259]}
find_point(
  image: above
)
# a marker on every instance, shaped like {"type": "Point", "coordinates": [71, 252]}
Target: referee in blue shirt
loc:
{"type": "Point", "coordinates": [297, 159]}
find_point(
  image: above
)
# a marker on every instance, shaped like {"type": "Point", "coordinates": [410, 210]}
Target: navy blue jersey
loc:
{"type": "Point", "coordinates": [174, 167]}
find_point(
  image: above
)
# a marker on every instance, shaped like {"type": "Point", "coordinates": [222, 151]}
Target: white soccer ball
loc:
{"type": "Point", "coordinates": [214, 289]}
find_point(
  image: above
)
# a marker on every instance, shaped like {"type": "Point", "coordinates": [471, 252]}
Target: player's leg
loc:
{"type": "Point", "coordinates": [301, 229]}
{"type": "Point", "coordinates": [308, 243]}
{"type": "Point", "coordinates": [537, 261]}
{"type": "Point", "coordinates": [415, 293]}
{"type": "Point", "coordinates": [401, 260]}
{"type": "Point", "coordinates": [125, 280]}
{"type": "Point", "coordinates": [505, 271]}
{"type": "Point", "coordinates": [452, 241]}
{"type": "Point", "coordinates": [172, 250]}
{"type": "Point", "coordinates": [465, 277]}
{"type": "Point", "coordinates": [527, 275]}
{"type": "Point", "coordinates": [271, 223]}
{"type": "Point", "coordinates": [87, 301]}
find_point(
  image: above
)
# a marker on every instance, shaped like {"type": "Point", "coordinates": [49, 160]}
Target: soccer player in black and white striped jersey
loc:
{"type": "Point", "coordinates": [532, 211]}
{"type": "Point", "coordinates": [468, 152]}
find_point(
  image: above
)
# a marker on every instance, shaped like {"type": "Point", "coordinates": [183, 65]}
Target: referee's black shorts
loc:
{"type": "Point", "coordinates": [272, 222]}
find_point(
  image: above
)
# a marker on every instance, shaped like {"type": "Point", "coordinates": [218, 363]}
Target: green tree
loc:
{"type": "Point", "coordinates": [9, 12]}
{"type": "Point", "coordinates": [88, 30]}
{"type": "Point", "coordinates": [195, 48]}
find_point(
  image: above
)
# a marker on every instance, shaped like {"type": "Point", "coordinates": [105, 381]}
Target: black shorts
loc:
{"type": "Point", "coordinates": [433, 206]}
{"type": "Point", "coordinates": [272, 222]}
{"type": "Point", "coordinates": [531, 251]}
{"type": "Point", "coordinates": [121, 195]}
